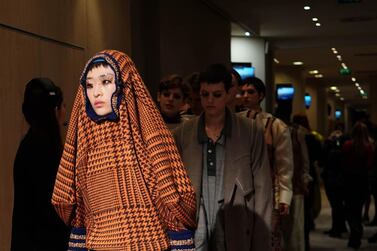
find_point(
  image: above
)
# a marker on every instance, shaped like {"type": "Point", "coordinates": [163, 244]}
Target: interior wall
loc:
{"type": "Point", "coordinates": [292, 75]}
{"type": "Point", "coordinates": [197, 35]}
{"type": "Point", "coordinates": [312, 111]}
{"type": "Point", "coordinates": [41, 38]}
{"type": "Point", "coordinates": [251, 50]}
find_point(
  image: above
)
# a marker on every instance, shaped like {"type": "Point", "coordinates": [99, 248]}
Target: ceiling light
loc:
{"type": "Point", "coordinates": [365, 97]}
{"type": "Point", "coordinates": [335, 51]}
{"type": "Point", "coordinates": [339, 57]}
{"type": "Point", "coordinates": [357, 84]}
{"type": "Point", "coordinates": [362, 92]}
{"type": "Point", "coordinates": [298, 63]}
{"type": "Point", "coordinates": [318, 76]}
{"type": "Point", "coordinates": [359, 88]}
{"type": "Point", "coordinates": [313, 72]}
{"type": "Point", "coordinates": [333, 88]}
{"type": "Point", "coordinates": [276, 61]}
{"type": "Point", "coordinates": [314, 19]}
{"type": "Point", "coordinates": [306, 7]}
{"type": "Point", "coordinates": [353, 79]}
{"type": "Point", "coordinates": [344, 65]}
{"type": "Point", "coordinates": [337, 94]}
{"type": "Point", "coordinates": [341, 98]}
{"type": "Point", "coordinates": [247, 34]}
{"type": "Point", "coordinates": [317, 24]}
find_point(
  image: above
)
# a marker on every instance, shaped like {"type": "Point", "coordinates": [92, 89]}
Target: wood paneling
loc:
{"type": "Point", "coordinates": [64, 21]}
{"type": "Point", "coordinates": [18, 65]}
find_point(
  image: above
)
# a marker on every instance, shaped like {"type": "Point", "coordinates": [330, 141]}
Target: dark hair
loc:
{"type": "Point", "coordinates": [238, 77]}
{"type": "Point", "coordinates": [174, 81]}
{"type": "Point", "coordinates": [301, 120]}
{"type": "Point", "coordinates": [257, 83]}
{"type": "Point", "coordinates": [193, 80]}
{"type": "Point", "coordinates": [360, 137]}
{"type": "Point", "coordinates": [41, 98]}
{"type": "Point", "coordinates": [216, 73]}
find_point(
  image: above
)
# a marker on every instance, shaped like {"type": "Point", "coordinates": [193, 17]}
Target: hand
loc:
{"type": "Point", "coordinates": [283, 209]}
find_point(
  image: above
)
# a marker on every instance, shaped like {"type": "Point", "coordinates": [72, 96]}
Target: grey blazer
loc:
{"type": "Point", "coordinates": [247, 183]}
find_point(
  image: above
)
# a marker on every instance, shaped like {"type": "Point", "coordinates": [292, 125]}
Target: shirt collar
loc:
{"type": "Point", "coordinates": [227, 130]}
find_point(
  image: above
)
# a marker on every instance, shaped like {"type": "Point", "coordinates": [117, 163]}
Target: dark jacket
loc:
{"type": "Point", "coordinates": [35, 224]}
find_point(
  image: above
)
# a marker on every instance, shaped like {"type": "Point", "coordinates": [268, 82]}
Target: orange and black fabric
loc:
{"type": "Point", "coordinates": [123, 180]}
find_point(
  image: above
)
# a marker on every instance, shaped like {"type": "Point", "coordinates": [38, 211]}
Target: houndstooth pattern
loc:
{"type": "Point", "coordinates": [124, 180]}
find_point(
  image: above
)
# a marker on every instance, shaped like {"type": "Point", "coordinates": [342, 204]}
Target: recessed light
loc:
{"type": "Point", "coordinates": [335, 51]}
{"type": "Point", "coordinates": [357, 84]}
{"type": "Point", "coordinates": [318, 76]}
{"type": "Point", "coordinates": [353, 79]}
{"type": "Point", "coordinates": [317, 24]}
{"type": "Point", "coordinates": [247, 34]}
{"type": "Point", "coordinates": [333, 88]}
{"type": "Point", "coordinates": [344, 65]}
{"type": "Point", "coordinates": [359, 87]}
{"type": "Point", "coordinates": [362, 92]}
{"type": "Point", "coordinates": [339, 57]}
{"type": "Point", "coordinates": [298, 63]}
{"type": "Point", "coordinates": [307, 7]}
{"type": "Point", "coordinates": [337, 94]}
{"type": "Point", "coordinates": [341, 98]}
{"type": "Point", "coordinates": [313, 72]}
{"type": "Point", "coordinates": [314, 19]}
{"type": "Point", "coordinates": [276, 61]}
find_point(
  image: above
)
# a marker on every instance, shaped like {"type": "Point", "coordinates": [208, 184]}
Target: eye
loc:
{"type": "Point", "coordinates": [89, 85]}
{"type": "Point", "coordinates": [176, 96]}
{"type": "Point", "coordinates": [107, 81]}
{"type": "Point", "coordinates": [166, 94]}
{"type": "Point", "coordinates": [217, 94]}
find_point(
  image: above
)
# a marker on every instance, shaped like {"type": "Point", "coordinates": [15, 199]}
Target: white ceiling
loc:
{"type": "Point", "coordinates": [351, 28]}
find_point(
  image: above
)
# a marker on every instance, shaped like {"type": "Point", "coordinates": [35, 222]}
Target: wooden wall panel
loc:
{"type": "Point", "coordinates": [64, 21]}
{"type": "Point", "coordinates": [18, 65]}
{"type": "Point", "coordinates": [63, 65]}
{"type": "Point", "coordinates": [108, 29]}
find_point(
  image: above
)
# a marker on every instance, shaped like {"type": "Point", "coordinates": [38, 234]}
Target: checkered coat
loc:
{"type": "Point", "coordinates": [123, 180]}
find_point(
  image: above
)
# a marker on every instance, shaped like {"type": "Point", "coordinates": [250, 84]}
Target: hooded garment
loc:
{"type": "Point", "coordinates": [123, 178]}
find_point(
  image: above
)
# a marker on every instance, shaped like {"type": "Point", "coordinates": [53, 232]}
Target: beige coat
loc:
{"type": "Point", "coordinates": [247, 183]}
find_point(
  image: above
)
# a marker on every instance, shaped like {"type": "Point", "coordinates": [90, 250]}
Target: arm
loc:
{"type": "Point", "coordinates": [283, 161]}
{"type": "Point", "coordinates": [262, 184]}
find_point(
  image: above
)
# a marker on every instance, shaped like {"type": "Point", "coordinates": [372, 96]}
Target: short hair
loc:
{"type": "Point", "coordinates": [193, 81]}
{"type": "Point", "coordinates": [216, 73]}
{"type": "Point", "coordinates": [41, 97]}
{"type": "Point", "coordinates": [238, 77]}
{"type": "Point", "coordinates": [256, 83]}
{"type": "Point", "coordinates": [174, 81]}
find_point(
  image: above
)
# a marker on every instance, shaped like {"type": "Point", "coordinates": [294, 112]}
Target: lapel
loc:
{"type": "Point", "coordinates": [231, 151]}
{"type": "Point", "coordinates": [193, 158]}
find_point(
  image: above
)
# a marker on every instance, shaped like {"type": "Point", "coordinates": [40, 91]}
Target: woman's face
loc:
{"type": "Point", "coordinates": [100, 86]}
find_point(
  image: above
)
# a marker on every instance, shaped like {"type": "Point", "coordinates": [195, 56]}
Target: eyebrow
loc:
{"type": "Point", "coordinates": [103, 75]}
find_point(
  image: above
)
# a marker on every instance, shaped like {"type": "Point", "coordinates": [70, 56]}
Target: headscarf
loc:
{"type": "Point", "coordinates": [138, 141]}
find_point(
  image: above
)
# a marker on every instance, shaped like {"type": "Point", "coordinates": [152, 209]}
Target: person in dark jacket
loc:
{"type": "Point", "coordinates": [35, 224]}
{"type": "Point", "coordinates": [357, 161]}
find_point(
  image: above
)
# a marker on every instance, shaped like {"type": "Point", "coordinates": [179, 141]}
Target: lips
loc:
{"type": "Point", "coordinates": [168, 106]}
{"type": "Point", "coordinates": [99, 104]}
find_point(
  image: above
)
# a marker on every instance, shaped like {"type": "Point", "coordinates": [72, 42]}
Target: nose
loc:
{"type": "Point", "coordinates": [97, 90]}
{"type": "Point", "coordinates": [244, 94]}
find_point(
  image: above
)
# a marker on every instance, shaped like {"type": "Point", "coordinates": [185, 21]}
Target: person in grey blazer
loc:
{"type": "Point", "coordinates": [227, 162]}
